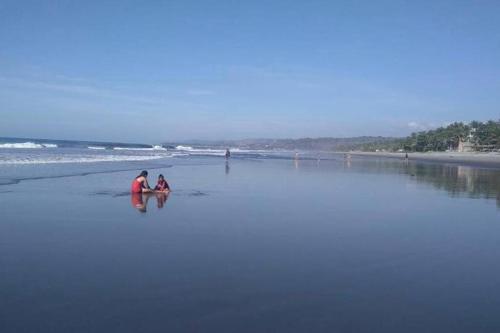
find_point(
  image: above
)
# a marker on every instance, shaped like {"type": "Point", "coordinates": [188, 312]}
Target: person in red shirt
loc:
{"type": "Point", "coordinates": [162, 185]}
{"type": "Point", "coordinates": [140, 183]}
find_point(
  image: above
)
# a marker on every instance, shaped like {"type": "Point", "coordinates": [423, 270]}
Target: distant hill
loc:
{"type": "Point", "coordinates": [311, 144]}
{"type": "Point", "coordinates": [321, 144]}
{"type": "Point", "coordinates": [478, 136]}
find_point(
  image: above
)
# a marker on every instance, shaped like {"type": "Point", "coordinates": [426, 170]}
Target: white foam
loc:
{"type": "Point", "coordinates": [207, 152]}
{"type": "Point", "coordinates": [210, 150]}
{"type": "Point", "coordinates": [143, 149]}
{"type": "Point", "coordinates": [126, 148]}
{"type": "Point", "coordinates": [79, 159]}
{"type": "Point", "coordinates": [201, 151]}
{"type": "Point", "coordinates": [255, 151]}
{"type": "Point", "coordinates": [96, 148]}
{"type": "Point", "coordinates": [27, 145]}
{"type": "Point", "coordinates": [186, 148]}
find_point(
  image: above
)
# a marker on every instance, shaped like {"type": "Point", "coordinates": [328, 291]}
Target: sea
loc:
{"type": "Point", "coordinates": [265, 241]}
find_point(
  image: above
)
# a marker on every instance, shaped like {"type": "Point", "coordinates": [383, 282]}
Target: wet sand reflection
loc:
{"type": "Point", "coordinates": [140, 200]}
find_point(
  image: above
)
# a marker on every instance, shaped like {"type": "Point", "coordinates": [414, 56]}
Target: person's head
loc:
{"type": "Point", "coordinates": [160, 177]}
{"type": "Point", "coordinates": [143, 173]}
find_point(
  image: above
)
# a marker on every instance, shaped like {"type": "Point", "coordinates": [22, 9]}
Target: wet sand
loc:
{"type": "Point", "coordinates": [251, 246]}
{"type": "Point", "coordinates": [472, 159]}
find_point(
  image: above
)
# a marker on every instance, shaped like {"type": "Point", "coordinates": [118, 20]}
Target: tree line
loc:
{"type": "Point", "coordinates": [482, 136]}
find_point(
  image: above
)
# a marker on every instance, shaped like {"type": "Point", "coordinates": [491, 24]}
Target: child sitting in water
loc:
{"type": "Point", "coordinates": [162, 184]}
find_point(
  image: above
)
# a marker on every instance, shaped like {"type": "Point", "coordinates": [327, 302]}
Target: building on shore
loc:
{"type": "Point", "coordinates": [465, 146]}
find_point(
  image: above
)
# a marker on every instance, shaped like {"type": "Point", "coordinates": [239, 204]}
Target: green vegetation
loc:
{"type": "Point", "coordinates": [477, 136]}
{"type": "Point", "coordinates": [482, 136]}
{"type": "Point", "coordinates": [486, 134]}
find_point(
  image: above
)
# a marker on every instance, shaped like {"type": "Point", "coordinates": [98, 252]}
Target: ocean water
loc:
{"type": "Point", "coordinates": [259, 243]}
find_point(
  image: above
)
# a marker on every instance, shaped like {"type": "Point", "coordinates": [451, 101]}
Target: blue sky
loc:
{"type": "Point", "coordinates": [175, 70]}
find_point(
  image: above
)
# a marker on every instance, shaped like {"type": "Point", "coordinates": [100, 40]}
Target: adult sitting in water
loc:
{"type": "Point", "coordinates": [140, 183]}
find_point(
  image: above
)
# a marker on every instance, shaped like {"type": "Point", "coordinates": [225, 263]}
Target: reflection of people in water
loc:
{"type": "Point", "coordinates": [347, 160]}
{"type": "Point", "coordinates": [162, 185]}
{"type": "Point", "coordinates": [227, 168]}
{"type": "Point", "coordinates": [296, 160]}
{"type": "Point", "coordinates": [161, 198]}
{"type": "Point", "coordinates": [140, 200]}
{"type": "Point", "coordinates": [140, 183]}
{"type": "Point", "coordinates": [347, 163]}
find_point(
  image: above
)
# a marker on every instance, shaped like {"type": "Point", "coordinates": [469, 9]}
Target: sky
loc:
{"type": "Point", "coordinates": [156, 71]}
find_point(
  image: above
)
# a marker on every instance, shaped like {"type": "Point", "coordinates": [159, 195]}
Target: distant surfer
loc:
{"type": "Point", "coordinates": [162, 185]}
{"type": "Point", "coordinates": [140, 183]}
{"type": "Point", "coordinates": [228, 153]}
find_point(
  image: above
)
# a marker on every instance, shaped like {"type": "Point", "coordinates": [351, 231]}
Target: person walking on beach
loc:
{"type": "Point", "coordinates": [140, 183]}
{"type": "Point", "coordinates": [228, 154]}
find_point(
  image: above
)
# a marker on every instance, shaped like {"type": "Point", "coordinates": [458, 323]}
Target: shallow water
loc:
{"type": "Point", "coordinates": [253, 245]}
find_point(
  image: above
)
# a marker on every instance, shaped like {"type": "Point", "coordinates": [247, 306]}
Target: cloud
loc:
{"type": "Point", "coordinates": [422, 126]}
{"type": "Point", "coordinates": [68, 86]}
{"type": "Point", "coordinates": [200, 92]}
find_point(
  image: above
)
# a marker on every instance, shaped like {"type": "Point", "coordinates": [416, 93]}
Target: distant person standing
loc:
{"type": "Point", "coordinates": [228, 154]}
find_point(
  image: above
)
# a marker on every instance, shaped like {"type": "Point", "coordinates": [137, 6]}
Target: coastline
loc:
{"type": "Point", "coordinates": [491, 160]}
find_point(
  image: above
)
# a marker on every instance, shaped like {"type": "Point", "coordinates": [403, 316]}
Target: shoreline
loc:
{"type": "Point", "coordinates": [491, 160]}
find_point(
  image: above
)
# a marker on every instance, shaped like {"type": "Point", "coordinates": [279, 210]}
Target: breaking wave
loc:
{"type": "Point", "coordinates": [77, 159]}
{"type": "Point", "coordinates": [143, 149]}
{"type": "Point", "coordinates": [27, 145]}
{"type": "Point", "coordinates": [201, 151]}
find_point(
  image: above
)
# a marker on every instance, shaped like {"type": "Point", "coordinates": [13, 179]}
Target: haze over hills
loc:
{"type": "Point", "coordinates": [315, 144]}
{"type": "Point", "coordinates": [477, 135]}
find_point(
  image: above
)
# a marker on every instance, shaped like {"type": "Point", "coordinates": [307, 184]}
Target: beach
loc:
{"type": "Point", "coordinates": [255, 243]}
